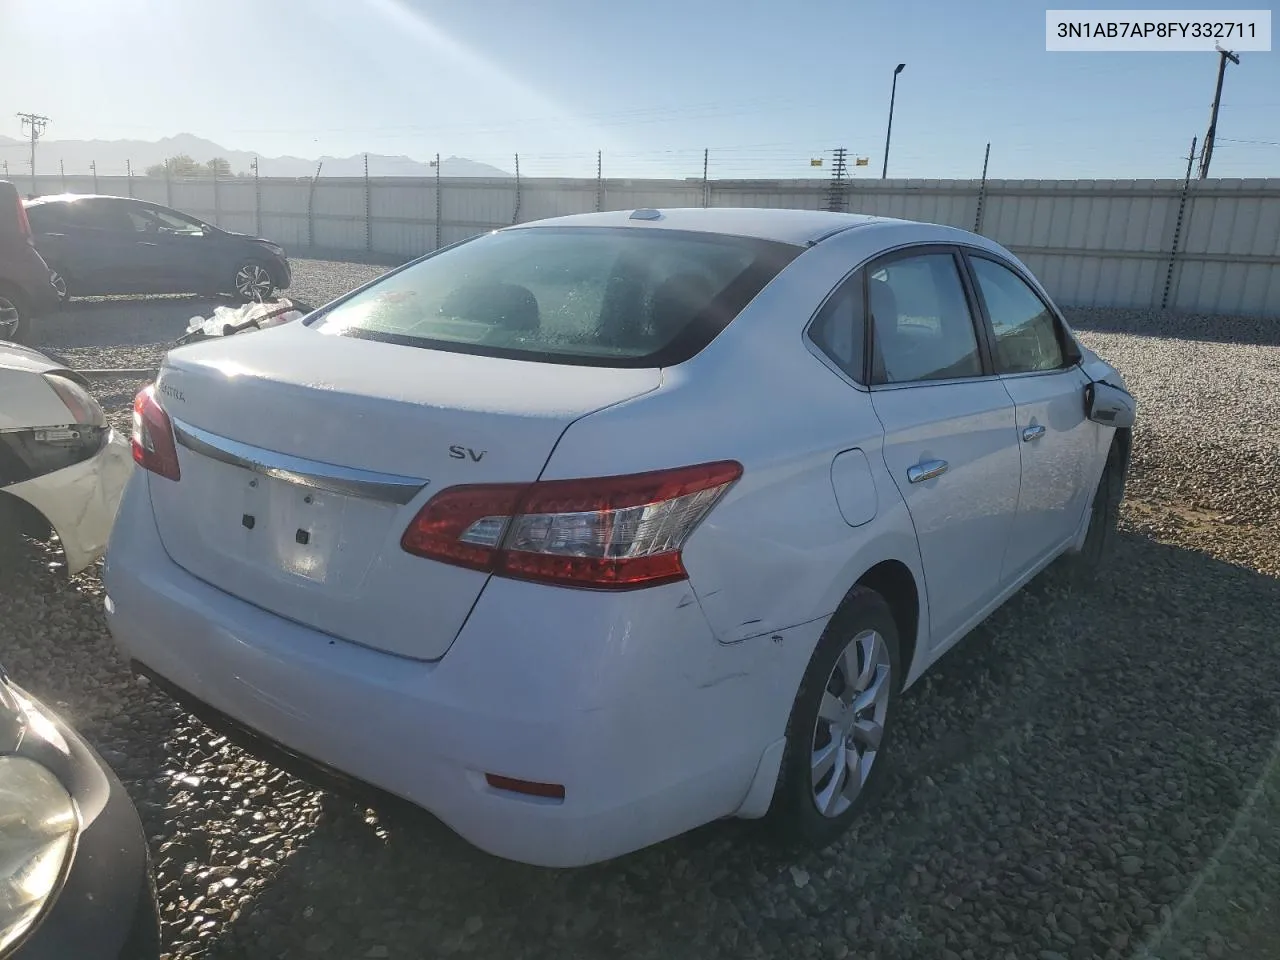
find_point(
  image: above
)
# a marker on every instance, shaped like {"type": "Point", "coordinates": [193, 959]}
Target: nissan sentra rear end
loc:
{"type": "Point", "coordinates": [341, 539]}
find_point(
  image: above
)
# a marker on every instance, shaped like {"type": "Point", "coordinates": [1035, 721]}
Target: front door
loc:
{"type": "Point", "coordinates": [950, 443]}
{"type": "Point", "coordinates": [1056, 440]}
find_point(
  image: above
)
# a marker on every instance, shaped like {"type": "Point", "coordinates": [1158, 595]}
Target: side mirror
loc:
{"type": "Point", "coordinates": [1109, 405]}
{"type": "Point", "coordinates": [206, 229]}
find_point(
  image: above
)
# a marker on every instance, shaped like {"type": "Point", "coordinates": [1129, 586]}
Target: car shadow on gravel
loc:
{"type": "Point", "coordinates": [1061, 781]}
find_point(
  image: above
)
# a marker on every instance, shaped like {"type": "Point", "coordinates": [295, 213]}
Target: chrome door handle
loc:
{"type": "Point", "coordinates": [1034, 432]}
{"type": "Point", "coordinates": [927, 470]}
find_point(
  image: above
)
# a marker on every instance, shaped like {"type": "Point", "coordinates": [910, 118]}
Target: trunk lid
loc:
{"type": "Point", "coordinates": [304, 457]}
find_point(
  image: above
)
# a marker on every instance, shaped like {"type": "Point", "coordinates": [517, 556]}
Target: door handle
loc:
{"type": "Point", "coordinates": [927, 470]}
{"type": "Point", "coordinates": [1033, 432]}
{"type": "Point", "coordinates": [147, 243]}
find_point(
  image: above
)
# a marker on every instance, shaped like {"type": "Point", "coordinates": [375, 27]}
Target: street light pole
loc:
{"type": "Point", "coordinates": [884, 171]}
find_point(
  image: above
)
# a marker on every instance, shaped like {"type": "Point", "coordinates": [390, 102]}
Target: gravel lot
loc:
{"type": "Point", "coordinates": [1091, 774]}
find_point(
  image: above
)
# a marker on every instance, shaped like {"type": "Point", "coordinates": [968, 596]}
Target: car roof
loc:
{"type": "Point", "coordinates": [798, 227]}
{"type": "Point", "coordinates": [65, 197]}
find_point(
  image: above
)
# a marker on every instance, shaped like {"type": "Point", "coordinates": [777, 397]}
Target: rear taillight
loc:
{"type": "Point", "coordinates": [153, 445]}
{"type": "Point", "coordinates": [614, 533]}
{"type": "Point", "coordinates": [24, 224]}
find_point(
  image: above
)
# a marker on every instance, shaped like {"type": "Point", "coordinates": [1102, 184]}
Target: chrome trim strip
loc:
{"type": "Point", "coordinates": [349, 481]}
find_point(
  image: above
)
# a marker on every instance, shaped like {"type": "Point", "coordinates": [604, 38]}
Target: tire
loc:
{"type": "Point", "coordinates": [863, 627]}
{"type": "Point", "coordinates": [1084, 566]}
{"type": "Point", "coordinates": [10, 298]}
{"type": "Point", "coordinates": [252, 280]}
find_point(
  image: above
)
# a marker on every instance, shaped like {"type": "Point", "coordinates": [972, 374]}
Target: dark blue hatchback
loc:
{"type": "Point", "coordinates": [117, 245]}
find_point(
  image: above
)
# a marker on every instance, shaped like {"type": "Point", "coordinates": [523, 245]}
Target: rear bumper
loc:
{"type": "Point", "coordinates": [106, 907]}
{"type": "Point", "coordinates": [28, 271]}
{"type": "Point", "coordinates": [282, 273]}
{"type": "Point", "coordinates": [627, 700]}
{"type": "Point", "coordinates": [80, 501]}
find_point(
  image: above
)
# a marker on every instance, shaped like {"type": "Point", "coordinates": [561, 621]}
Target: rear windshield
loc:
{"type": "Point", "coordinates": [619, 297]}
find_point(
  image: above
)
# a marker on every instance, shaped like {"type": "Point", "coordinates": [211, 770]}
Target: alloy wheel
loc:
{"type": "Point", "coordinates": [850, 725]}
{"type": "Point", "coordinates": [253, 282]}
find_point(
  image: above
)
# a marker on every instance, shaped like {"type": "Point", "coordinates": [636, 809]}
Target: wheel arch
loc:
{"type": "Point", "coordinates": [894, 581]}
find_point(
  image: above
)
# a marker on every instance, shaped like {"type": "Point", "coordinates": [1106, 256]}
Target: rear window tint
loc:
{"type": "Point", "coordinates": [601, 296]}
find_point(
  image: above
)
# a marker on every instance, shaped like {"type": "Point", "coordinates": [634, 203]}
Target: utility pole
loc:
{"type": "Point", "coordinates": [1207, 155]}
{"type": "Point", "coordinates": [893, 93]}
{"type": "Point", "coordinates": [33, 123]}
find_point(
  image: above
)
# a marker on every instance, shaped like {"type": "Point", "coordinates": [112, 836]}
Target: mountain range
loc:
{"type": "Point", "coordinates": [110, 156]}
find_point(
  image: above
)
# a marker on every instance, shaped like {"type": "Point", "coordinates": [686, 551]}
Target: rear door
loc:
{"type": "Point", "coordinates": [104, 252]}
{"type": "Point", "coordinates": [950, 443]}
{"type": "Point", "coordinates": [1056, 440]}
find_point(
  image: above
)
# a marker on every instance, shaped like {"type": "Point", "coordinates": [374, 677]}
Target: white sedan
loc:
{"type": "Point", "coordinates": [62, 468]}
{"type": "Point", "coordinates": [585, 532]}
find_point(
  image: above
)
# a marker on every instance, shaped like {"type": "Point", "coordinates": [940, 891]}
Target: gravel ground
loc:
{"type": "Point", "coordinates": [1091, 774]}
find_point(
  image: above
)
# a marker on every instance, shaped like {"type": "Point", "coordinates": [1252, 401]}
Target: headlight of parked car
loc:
{"type": "Point", "coordinates": [38, 826]}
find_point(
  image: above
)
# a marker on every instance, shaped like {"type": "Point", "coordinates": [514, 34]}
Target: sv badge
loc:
{"type": "Point", "coordinates": [466, 453]}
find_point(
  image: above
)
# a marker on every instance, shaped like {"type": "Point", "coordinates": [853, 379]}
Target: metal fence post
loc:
{"type": "Point", "coordinates": [368, 208]}
{"type": "Point", "coordinates": [93, 168]}
{"type": "Point", "coordinates": [257, 199]}
{"type": "Point", "coordinates": [599, 180]}
{"type": "Point", "coordinates": [62, 169]}
{"type": "Point", "coordinates": [1177, 230]}
{"type": "Point", "coordinates": [311, 207]}
{"type": "Point", "coordinates": [982, 192]}
{"type": "Point", "coordinates": [515, 217]}
{"type": "Point", "coordinates": [128, 172]}
{"type": "Point", "coordinates": [706, 186]}
{"type": "Point", "coordinates": [168, 185]}
{"type": "Point", "coordinates": [439, 205]}
{"type": "Point", "coordinates": [217, 201]}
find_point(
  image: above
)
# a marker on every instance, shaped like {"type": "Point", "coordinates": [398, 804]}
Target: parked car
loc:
{"type": "Point", "coordinates": [62, 467]}
{"type": "Point", "coordinates": [75, 874]}
{"type": "Point", "coordinates": [26, 288]}
{"type": "Point", "coordinates": [585, 532]}
{"type": "Point", "coordinates": [117, 245]}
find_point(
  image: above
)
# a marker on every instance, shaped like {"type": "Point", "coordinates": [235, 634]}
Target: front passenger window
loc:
{"type": "Point", "coordinates": [921, 325]}
{"type": "Point", "coordinates": [1025, 331]}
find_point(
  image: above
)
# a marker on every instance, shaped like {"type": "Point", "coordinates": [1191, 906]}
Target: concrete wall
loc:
{"type": "Point", "coordinates": [1092, 242]}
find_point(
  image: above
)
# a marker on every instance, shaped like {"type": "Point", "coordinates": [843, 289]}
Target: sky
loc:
{"type": "Point", "coordinates": [764, 87]}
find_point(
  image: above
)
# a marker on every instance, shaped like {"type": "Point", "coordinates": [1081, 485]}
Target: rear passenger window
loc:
{"type": "Point", "coordinates": [922, 327]}
{"type": "Point", "coordinates": [1025, 332]}
{"type": "Point", "coordinates": [839, 329]}
{"type": "Point", "coordinates": [47, 217]}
